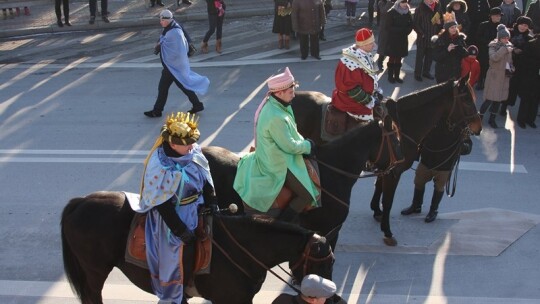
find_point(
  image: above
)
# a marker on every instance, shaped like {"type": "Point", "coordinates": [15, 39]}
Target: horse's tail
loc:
{"type": "Point", "coordinates": [73, 269]}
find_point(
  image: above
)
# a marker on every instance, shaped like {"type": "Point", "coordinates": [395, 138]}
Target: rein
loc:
{"type": "Point", "coordinates": [305, 256]}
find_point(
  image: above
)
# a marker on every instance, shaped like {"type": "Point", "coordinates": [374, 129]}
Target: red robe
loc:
{"type": "Point", "coordinates": [347, 80]}
{"type": "Point", "coordinates": [470, 65]}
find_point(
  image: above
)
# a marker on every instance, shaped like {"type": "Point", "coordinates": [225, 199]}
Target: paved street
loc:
{"type": "Point", "coordinates": [71, 123]}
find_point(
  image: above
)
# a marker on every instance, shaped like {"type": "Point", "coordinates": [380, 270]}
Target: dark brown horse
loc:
{"type": "Point", "coordinates": [415, 114]}
{"type": "Point", "coordinates": [95, 228]}
{"type": "Point", "coordinates": [348, 153]}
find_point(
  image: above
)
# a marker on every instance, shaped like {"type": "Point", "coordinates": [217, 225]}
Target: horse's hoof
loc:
{"type": "Point", "coordinates": [390, 241]}
{"type": "Point", "coordinates": [378, 218]}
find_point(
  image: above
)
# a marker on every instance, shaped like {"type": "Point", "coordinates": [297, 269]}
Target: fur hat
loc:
{"type": "Point", "coordinates": [495, 11]}
{"type": "Point", "coordinates": [166, 14]}
{"type": "Point", "coordinates": [449, 20]}
{"type": "Point", "coordinates": [524, 20]}
{"type": "Point", "coordinates": [314, 286]}
{"type": "Point", "coordinates": [281, 81]}
{"type": "Point", "coordinates": [463, 7]}
{"type": "Point", "coordinates": [472, 50]}
{"type": "Point", "coordinates": [364, 36]}
{"type": "Point", "coordinates": [502, 32]}
{"type": "Point", "coordinates": [181, 129]}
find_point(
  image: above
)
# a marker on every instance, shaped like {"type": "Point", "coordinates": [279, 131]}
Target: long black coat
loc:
{"type": "Point", "coordinates": [531, 70]}
{"type": "Point", "coordinates": [397, 28]}
{"type": "Point", "coordinates": [487, 31]}
{"type": "Point", "coordinates": [448, 64]}
{"type": "Point", "coordinates": [423, 26]}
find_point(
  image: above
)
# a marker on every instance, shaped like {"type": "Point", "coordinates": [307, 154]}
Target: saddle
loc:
{"type": "Point", "coordinates": [336, 122]}
{"type": "Point", "coordinates": [136, 244]}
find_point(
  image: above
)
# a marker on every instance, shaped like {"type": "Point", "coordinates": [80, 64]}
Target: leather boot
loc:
{"type": "Point", "coordinates": [390, 72]}
{"type": "Point", "coordinates": [397, 69]}
{"type": "Point", "coordinates": [492, 122]}
{"type": "Point", "coordinates": [204, 47]}
{"type": "Point", "coordinates": [218, 46]}
{"type": "Point", "coordinates": [287, 40]}
{"type": "Point", "coordinates": [435, 200]}
{"type": "Point", "coordinates": [416, 206]}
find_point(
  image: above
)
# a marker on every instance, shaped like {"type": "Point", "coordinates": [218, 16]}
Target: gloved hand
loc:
{"type": "Point", "coordinates": [187, 237]}
{"type": "Point", "coordinates": [378, 97]}
{"type": "Point", "coordinates": [312, 151]}
{"type": "Point", "coordinates": [157, 49]}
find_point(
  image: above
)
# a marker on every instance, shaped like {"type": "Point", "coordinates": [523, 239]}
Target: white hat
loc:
{"type": "Point", "coordinates": [165, 14]}
{"type": "Point", "coordinates": [315, 286]}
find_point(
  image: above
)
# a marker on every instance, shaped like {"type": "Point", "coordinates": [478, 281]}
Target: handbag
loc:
{"type": "Point", "coordinates": [509, 70]}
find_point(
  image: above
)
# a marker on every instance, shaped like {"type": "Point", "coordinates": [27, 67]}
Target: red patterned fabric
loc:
{"type": "Point", "coordinates": [347, 80]}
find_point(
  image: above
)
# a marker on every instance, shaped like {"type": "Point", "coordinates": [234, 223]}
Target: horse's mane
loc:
{"type": "Point", "coordinates": [358, 134]}
{"type": "Point", "coordinates": [419, 98]}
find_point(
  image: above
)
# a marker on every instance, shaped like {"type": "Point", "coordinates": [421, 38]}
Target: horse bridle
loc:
{"type": "Point", "coordinates": [456, 101]}
{"type": "Point", "coordinates": [306, 256]}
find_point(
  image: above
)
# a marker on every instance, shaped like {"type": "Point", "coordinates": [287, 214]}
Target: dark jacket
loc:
{"type": "Point", "coordinates": [211, 7]}
{"type": "Point", "coordinates": [397, 27]}
{"type": "Point", "coordinates": [508, 19]}
{"type": "Point", "coordinates": [531, 71]}
{"type": "Point", "coordinates": [308, 16]}
{"type": "Point", "coordinates": [448, 64]}
{"type": "Point", "coordinates": [534, 13]}
{"type": "Point", "coordinates": [478, 10]}
{"type": "Point", "coordinates": [423, 26]}
{"type": "Point", "coordinates": [461, 16]}
{"type": "Point", "coordinates": [487, 31]}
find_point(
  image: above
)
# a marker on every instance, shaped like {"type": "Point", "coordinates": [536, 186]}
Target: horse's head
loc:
{"type": "Point", "coordinates": [317, 258]}
{"type": "Point", "coordinates": [463, 113]}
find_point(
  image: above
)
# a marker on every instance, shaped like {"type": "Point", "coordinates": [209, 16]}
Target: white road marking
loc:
{"type": "Point", "coordinates": [124, 292]}
{"type": "Point", "coordinates": [134, 157]}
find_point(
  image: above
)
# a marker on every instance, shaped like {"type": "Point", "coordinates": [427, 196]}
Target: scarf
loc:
{"type": "Point", "coordinates": [401, 11]}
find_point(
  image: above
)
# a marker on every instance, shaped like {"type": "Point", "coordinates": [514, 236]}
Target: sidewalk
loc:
{"type": "Point", "coordinates": [123, 13]}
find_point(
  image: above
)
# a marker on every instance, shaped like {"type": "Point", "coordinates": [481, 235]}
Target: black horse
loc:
{"type": "Point", "coordinates": [95, 228]}
{"type": "Point", "coordinates": [348, 153]}
{"type": "Point", "coordinates": [416, 114]}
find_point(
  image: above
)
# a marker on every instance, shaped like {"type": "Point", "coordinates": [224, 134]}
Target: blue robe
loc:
{"type": "Point", "coordinates": [164, 178]}
{"type": "Point", "coordinates": [174, 48]}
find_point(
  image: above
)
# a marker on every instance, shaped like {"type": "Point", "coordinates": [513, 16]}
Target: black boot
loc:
{"type": "Point", "coordinates": [390, 72]}
{"type": "Point", "coordinates": [397, 69]}
{"type": "Point", "coordinates": [492, 122]}
{"type": "Point", "coordinates": [380, 62]}
{"type": "Point", "coordinates": [433, 210]}
{"type": "Point", "coordinates": [416, 206]}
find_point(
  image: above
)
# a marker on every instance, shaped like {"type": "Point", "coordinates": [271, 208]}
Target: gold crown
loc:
{"type": "Point", "coordinates": [449, 17]}
{"type": "Point", "coordinates": [182, 126]}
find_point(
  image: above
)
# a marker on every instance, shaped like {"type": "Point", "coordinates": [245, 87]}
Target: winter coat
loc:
{"type": "Point", "coordinates": [423, 25]}
{"type": "Point", "coordinates": [464, 23]}
{"type": "Point", "coordinates": [471, 66]}
{"type": "Point", "coordinates": [478, 11]}
{"type": "Point", "coordinates": [448, 64]}
{"type": "Point", "coordinates": [211, 7]}
{"type": "Point", "coordinates": [487, 31]}
{"type": "Point", "coordinates": [534, 13]}
{"type": "Point", "coordinates": [261, 174]}
{"type": "Point", "coordinates": [510, 19]}
{"type": "Point", "coordinates": [397, 27]}
{"type": "Point", "coordinates": [531, 71]}
{"type": "Point", "coordinates": [308, 16]}
{"type": "Point", "coordinates": [497, 83]}
{"type": "Point", "coordinates": [282, 17]}
{"type": "Point", "coordinates": [384, 6]}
